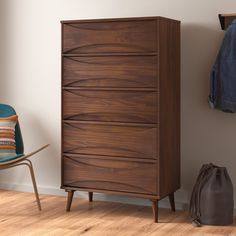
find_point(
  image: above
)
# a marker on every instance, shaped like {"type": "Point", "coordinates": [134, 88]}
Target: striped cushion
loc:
{"type": "Point", "coordinates": [7, 136]}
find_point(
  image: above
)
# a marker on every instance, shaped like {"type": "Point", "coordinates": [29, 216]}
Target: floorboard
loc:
{"type": "Point", "coordinates": [19, 216]}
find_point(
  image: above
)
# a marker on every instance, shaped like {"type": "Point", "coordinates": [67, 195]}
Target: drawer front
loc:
{"type": "Point", "coordinates": [116, 175]}
{"type": "Point", "coordinates": [118, 71]}
{"type": "Point", "coordinates": [110, 37]}
{"type": "Point", "coordinates": [118, 106]}
{"type": "Point", "coordinates": [110, 140]}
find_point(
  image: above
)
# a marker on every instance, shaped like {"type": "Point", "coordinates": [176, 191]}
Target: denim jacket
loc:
{"type": "Point", "coordinates": [223, 75]}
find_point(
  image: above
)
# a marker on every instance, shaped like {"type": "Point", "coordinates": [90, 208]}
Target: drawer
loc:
{"type": "Point", "coordinates": [113, 175]}
{"type": "Point", "coordinates": [109, 140]}
{"type": "Point", "coordinates": [110, 37]}
{"type": "Point", "coordinates": [116, 106]}
{"type": "Point", "coordinates": [112, 71]}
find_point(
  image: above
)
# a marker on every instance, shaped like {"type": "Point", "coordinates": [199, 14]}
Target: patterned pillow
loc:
{"type": "Point", "coordinates": [7, 136]}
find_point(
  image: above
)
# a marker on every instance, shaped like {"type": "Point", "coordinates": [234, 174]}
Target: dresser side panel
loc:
{"type": "Point", "coordinates": [169, 106]}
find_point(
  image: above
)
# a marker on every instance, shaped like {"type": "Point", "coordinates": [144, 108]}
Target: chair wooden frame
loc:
{"type": "Point", "coordinates": [25, 161]}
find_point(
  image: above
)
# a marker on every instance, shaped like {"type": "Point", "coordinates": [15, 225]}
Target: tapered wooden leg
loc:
{"type": "Point", "coordinates": [69, 199]}
{"type": "Point", "coordinates": [155, 209]}
{"type": "Point", "coordinates": [90, 196]}
{"type": "Point", "coordinates": [172, 201]}
{"type": "Point", "coordinates": [34, 183]}
{"type": "Point", "coordinates": [30, 165]}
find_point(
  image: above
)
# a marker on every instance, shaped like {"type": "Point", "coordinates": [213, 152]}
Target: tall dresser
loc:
{"type": "Point", "coordinates": [121, 108]}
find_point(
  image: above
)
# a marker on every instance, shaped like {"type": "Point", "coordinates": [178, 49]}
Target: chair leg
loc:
{"type": "Point", "coordinates": [34, 184]}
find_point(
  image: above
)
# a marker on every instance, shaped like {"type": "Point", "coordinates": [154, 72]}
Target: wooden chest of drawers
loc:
{"type": "Point", "coordinates": [121, 107]}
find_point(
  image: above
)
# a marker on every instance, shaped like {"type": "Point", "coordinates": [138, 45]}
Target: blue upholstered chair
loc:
{"type": "Point", "coordinates": [19, 158]}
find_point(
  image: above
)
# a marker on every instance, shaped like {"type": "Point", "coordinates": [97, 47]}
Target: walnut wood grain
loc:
{"type": "Point", "coordinates": [110, 140]}
{"type": "Point", "coordinates": [172, 201]}
{"type": "Point", "coordinates": [110, 71]}
{"type": "Point", "coordinates": [126, 175]}
{"type": "Point", "coordinates": [155, 209]}
{"type": "Point", "coordinates": [117, 106]}
{"type": "Point", "coordinates": [70, 194]}
{"type": "Point", "coordinates": [112, 192]}
{"type": "Point", "coordinates": [90, 194]}
{"type": "Point", "coordinates": [121, 107]}
{"type": "Point", "coordinates": [226, 20]}
{"type": "Point", "coordinates": [169, 107]}
{"type": "Point", "coordinates": [130, 36]}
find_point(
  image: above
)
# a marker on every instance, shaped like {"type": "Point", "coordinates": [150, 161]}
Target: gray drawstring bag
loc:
{"type": "Point", "coordinates": [212, 197]}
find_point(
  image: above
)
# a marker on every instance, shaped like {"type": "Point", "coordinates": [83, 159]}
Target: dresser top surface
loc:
{"type": "Point", "coordinates": [117, 19]}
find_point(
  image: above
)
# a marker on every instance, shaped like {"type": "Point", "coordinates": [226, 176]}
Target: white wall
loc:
{"type": "Point", "coordinates": [30, 79]}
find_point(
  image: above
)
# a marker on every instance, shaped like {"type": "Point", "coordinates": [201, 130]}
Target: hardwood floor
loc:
{"type": "Point", "coordinates": [19, 216]}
